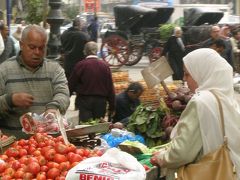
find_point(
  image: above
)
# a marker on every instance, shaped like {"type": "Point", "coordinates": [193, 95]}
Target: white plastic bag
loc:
{"type": "Point", "coordinates": [114, 164]}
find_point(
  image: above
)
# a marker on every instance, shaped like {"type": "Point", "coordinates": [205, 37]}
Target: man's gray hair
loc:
{"type": "Point", "coordinates": [33, 27]}
{"type": "Point", "coordinates": [90, 48]}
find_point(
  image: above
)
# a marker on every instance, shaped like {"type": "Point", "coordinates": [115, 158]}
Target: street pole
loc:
{"type": "Point", "coordinates": [9, 12]}
{"type": "Point", "coordinates": [55, 19]}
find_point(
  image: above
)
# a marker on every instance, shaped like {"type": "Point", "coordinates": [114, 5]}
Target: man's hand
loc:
{"type": "Point", "coordinates": [53, 111]}
{"type": "Point", "coordinates": [22, 100]}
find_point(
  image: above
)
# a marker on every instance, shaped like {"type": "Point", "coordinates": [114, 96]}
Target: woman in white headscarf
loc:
{"type": "Point", "coordinates": [198, 131]}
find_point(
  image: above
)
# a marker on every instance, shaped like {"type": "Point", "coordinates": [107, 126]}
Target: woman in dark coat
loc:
{"type": "Point", "coordinates": [175, 50]}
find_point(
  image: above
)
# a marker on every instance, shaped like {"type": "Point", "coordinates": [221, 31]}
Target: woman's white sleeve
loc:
{"type": "Point", "coordinates": [187, 143]}
{"type": "Point", "coordinates": [2, 47]}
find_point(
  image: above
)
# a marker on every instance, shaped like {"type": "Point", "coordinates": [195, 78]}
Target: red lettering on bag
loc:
{"type": "Point", "coordinates": [104, 165]}
{"type": "Point", "coordinates": [82, 177]}
{"type": "Point", "coordinates": [94, 177]}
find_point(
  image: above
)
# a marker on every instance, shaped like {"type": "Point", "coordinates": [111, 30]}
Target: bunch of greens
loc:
{"type": "Point", "coordinates": [147, 122]}
{"type": "Point", "coordinates": [166, 30]}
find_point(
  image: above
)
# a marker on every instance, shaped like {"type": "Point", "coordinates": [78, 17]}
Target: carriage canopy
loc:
{"type": "Point", "coordinates": [134, 17]}
{"type": "Point", "coordinates": [199, 16]}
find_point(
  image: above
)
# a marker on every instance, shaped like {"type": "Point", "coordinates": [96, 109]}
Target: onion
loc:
{"type": "Point", "coordinates": [172, 95]}
{"type": "Point", "coordinates": [180, 96]}
{"type": "Point", "coordinates": [168, 130]}
{"type": "Point", "coordinates": [177, 105]}
{"type": "Point", "coordinates": [187, 98]}
{"type": "Point", "coordinates": [183, 90]}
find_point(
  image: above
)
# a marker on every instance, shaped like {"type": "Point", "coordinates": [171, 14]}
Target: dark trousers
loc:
{"type": "Point", "coordinates": [91, 107]}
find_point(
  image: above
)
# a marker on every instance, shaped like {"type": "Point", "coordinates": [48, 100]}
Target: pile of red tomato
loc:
{"type": "Point", "coordinates": [41, 157]}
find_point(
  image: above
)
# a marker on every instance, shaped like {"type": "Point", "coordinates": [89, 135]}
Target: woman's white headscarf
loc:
{"type": "Point", "coordinates": [212, 72]}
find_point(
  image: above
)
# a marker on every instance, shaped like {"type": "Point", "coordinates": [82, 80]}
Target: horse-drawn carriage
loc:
{"type": "Point", "coordinates": [136, 35]}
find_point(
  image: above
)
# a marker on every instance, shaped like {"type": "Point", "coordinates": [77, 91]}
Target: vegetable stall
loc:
{"type": "Point", "coordinates": [48, 155]}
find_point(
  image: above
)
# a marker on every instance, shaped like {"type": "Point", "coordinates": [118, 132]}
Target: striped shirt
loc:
{"type": "Point", "coordinates": [47, 84]}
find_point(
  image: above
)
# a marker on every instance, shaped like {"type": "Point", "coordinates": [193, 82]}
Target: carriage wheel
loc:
{"type": "Point", "coordinates": [155, 53]}
{"type": "Point", "coordinates": [135, 54]}
{"type": "Point", "coordinates": [114, 50]}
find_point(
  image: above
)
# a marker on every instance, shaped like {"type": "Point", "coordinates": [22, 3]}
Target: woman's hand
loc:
{"type": "Point", "coordinates": [156, 159]}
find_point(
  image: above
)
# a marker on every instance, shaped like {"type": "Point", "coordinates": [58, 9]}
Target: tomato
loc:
{"type": "Point", "coordinates": [3, 157]}
{"type": "Point", "coordinates": [146, 167]}
{"type": "Point", "coordinates": [86, 152]}
{"type": "Point", "coordinates": [32, 142]}
{"type": "Point", "coordinates": [41, 144]}
{"type": "Point", "coordinates": [59, 139]}
{"type": "Point", "coordinates": [49, 155]}
{"type": "Point", "coordinates": [70, 155]}
{"type": "Point", "coordinates": [23, 160]}
{"type": "Point", "coordinates": [19, 174]}
{"type": "Point", "coordinates": [74, 164]}
{"type": "Point", "coordinates": [64, 173]}
{"type": "Point", "coordinates": [44, 168]}
{"type": "Point", "coordinates": [58, 158]}
{"type": "Point", "coordinates": [22, 152]}
{"type": "Point", "coordinates": [23, 167]}
{"type": "Point", "coordinates": [50, 143]}
{"type": "Point", "coordinates": [45, 149]}
{"type": "Point", "coordinates": [3, 166]}
{"type": "Point", "coordinates": [61, 148]}
{"type": "Point", "coordinates": [41, 160]}
{"type": "Point", "coordinates": [37, 153]}
{"type": "Point", "coordinates": [71, 148]}
{"type": "Point", "coordinates": [153, 161]}
{"type": "Point", "coordinates": [6, 177]}
{"type": "Point", "coordinates": [28, 176]}
{"type": "Point", "coordinates": [41, 176]}
{"type": "Point", "coordinates": [32, 159]}
{"type": "Point", "coordinates": [80, 152]}
{"type": "Point", "coordinates": [22, 142]}
{"type": "Point", "coordinates": [52, 164]}
{"type": "Point", "coordinates": [31, 149]}
{"type": "Point", "coordinates": [53, 173]}
{"type": "Point", "coordinates": [99, 152]}
{"type": "Point", "coordinates": [75, 158]}
{"type": "Point", "coordinates": [12, 152]}
{"type": "Point", "coordinates": [60, 178]}
{"type": "Point", "coordinates": [9, 171]}
{"type": "Point", "coordinates": [39, 137]}
{"type": "Point", "coordinates": [64, 166]}
{"type": "Point", "coordinates": [34, 168]}
{"type": "Point", "coordinates": [16, 165]}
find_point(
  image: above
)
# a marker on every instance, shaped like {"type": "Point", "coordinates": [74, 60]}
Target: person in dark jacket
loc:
{"type": "Point", "coordinates": [9, 50]}
{"type": "Point", "coordinates": [91, 79]}
{"type": "Point", "coordinates": [93, 29]}
{"type": "Point", "coordinates": [73, 41]}
{"type": "Point", "coordinates": [175, 50]}
{"type": "Point", "coordinates": [214, 35]}
{"type": "Point", "coordinates": [127, 102]}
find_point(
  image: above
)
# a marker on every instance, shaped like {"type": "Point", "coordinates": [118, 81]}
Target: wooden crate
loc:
{"type": "Point", "coordinates": [120, 76]}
